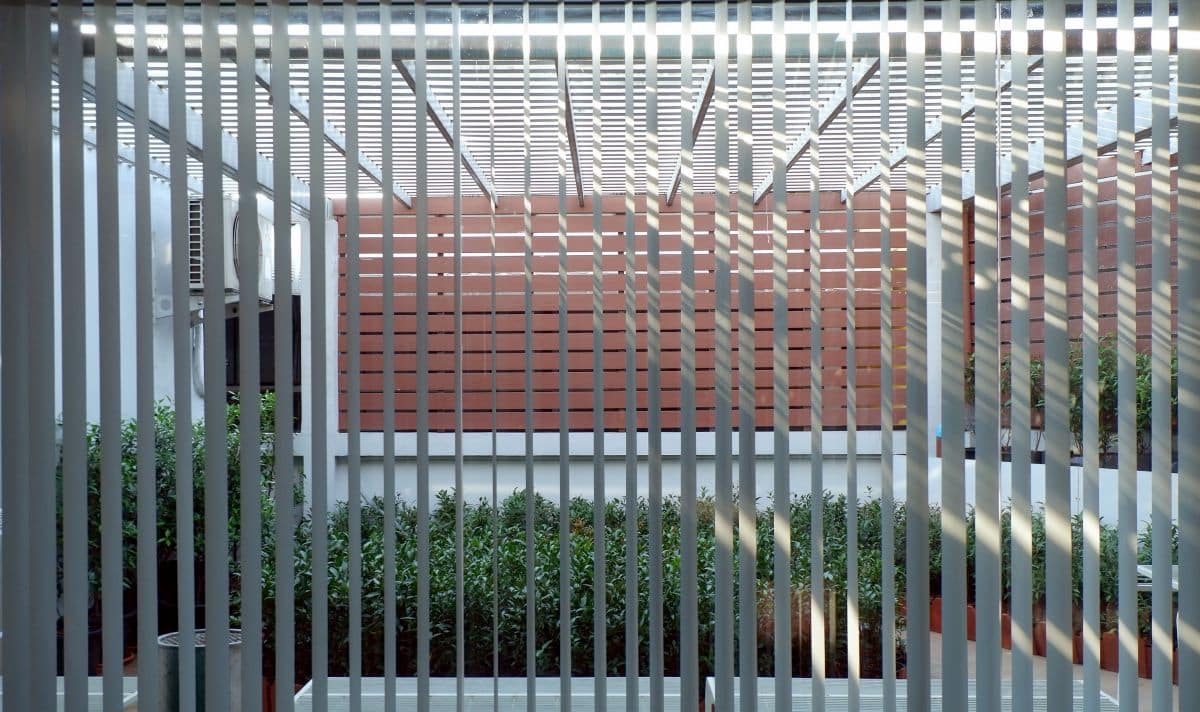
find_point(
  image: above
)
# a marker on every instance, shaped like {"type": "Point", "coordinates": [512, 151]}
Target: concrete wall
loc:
{"type": "Point", "coordinates": [510, 469]}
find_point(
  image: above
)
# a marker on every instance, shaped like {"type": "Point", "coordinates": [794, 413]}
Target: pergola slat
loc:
{"type": "Point", "coordinates": [933, 129]}
{"type": "Point", "coordinates": [698, 112]}
{"type": "Point", "coordinates": [1106, 143]}
{"type": "Point", "coordinates": [833, 106]}
{"type": "Point", "coordinates": [158, 125]}
{"type": "Point", "coordinates": [336, 138]}
{"type": "Point", "coordinates": [445, 127]}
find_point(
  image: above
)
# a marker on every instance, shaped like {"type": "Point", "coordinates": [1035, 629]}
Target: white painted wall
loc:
{"type": "Point", "coordinates": [510, 464]}
{"type": "Point", "coordinates": [510, 468]}
{"type": "Point", "coordinates": [160, 226]}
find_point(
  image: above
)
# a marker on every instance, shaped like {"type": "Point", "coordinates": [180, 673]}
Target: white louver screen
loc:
{"type": "Point", "coordinates": [895, 227]}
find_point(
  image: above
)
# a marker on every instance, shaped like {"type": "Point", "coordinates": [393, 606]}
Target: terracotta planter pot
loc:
{"type": "Point", "coordinates": [1039, 638]}
{"type": "Point", "coordinates": [1109, 651]}
{"type": "Point", "coordinates": [268, 694]}
{"type": "Point", "coordinates": [935, 615]}
{"type": "Point", "coordinates": [1145, 657]}
{"type": "Point", "coordinates": [1006, 631]}
{"type": "Point", "coordinates": [970, 622]}
{"type": "Point", "coordinates": [1077, 648]}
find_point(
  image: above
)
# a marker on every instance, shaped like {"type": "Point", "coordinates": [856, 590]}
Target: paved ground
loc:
{"type": "Point", "coordinates": [1108, 680]}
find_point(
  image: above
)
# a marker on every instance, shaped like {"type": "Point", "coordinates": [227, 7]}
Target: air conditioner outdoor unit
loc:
{"type": "Point", "coordinates": [233, 228]}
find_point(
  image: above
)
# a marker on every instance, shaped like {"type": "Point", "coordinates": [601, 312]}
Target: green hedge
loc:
{"type": "Point", "coordinates": [479, 535]}
{"type": "Point", "coordinates": [1106, 379]}
{"type": "Point", "coordinates": [481, 554]}
{"type": "Point", "coordinates": [166, 491]}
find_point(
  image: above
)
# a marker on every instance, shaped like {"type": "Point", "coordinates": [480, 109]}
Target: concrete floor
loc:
{"type": "Point", "coordinates": [1108, 680]}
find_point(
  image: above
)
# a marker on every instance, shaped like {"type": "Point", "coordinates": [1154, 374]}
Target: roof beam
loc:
{"type": "Point", "coordinates": [699, 111]}
{"type": "Point", "coordinates": [299, 107]}
{"type": "Point", "coordinates": [1106, 141]}
{"type": "Point", "coordinates": [159, 127]}
{"type": "Point", "coordinates": [125, 154]}
{"type": "Point", "coordinates": [446, 127]}
{"type": "Point", "coordinates": [572, 140]}
{"type": "Point", "coordinates": [864, 69]}
{"type": "Point", "coordinates": [933, 130]}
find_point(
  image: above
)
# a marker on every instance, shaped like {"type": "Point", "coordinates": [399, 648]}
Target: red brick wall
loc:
{"type": "Point", "coordinates": [1107, 214]}
{"type": "Point", "coordinates": [510, 341]}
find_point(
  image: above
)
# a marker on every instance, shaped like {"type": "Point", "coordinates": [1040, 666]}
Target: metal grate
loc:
{"type": "Point", "coordinates": [195, 245]}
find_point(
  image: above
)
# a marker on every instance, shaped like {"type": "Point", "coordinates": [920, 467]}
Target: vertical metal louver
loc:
{"type": "Point", "coordinates": [990, 188]}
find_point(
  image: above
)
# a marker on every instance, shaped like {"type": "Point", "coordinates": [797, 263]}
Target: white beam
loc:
{"type": "Point", "coordinates": [1106, 143]}
{"type": "Point", "coordinates": [699, 111]}
{"type": "Point", "coordinates": [571, 137]}
{"type": "Point", "coordinates": [446, 128]}
{"type": "Point", "coordinates": [864, 69]}
{"type": "Point", "coordinates": [157, 168]}
{"type": "Point", "coordinates": [159, 126]}
{"type": "Point", "coordinates": [299, 107]}
{"type": "Point", "coordinates": [933, 130]}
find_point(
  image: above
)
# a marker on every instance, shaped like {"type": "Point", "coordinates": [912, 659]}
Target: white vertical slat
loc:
{"type": "Point", "coordinates": [1022, 532]}
{"type": "Point", "coordinates": [1090, 381]}
{"type": "Point", "coordinates": [386, 129]}
{"type": "Point", "coordinates": [181, 341]}
{"type": "Point", "coordinates": [74, 357]}
{"type": "Point", "coordinates": [916, 367]}
{"type": "Point", "coordinates": [38, 302]}
{"type": "Point", "coordinates": [285, 476]}
{"type": "Point", "coordinates": [353, 358]}
{"type": "Point", "coordinates": [422, 198]}
{"type": "Point", "coordinates": [107, 221]}
{"type": "Point", "coordinates": [1126, 356]}
{"type": "Point", "coordinates": [853, 646]}
{"type": "Point", "coordinates": [564, 420]}
{"type": "Point", "coordinates": [953, 329]}
{"type": "Point", "coordinates": [887, 373]}
{"type": "Point", "coordinates": [632, 640]}
{"type": "Point", "coordinates": [1188, 249]}
{"type": "Point", "coordinates": [817, 489]}
{"type": "Point", "coordinates": [781, 410]}
{"type": "Point", "coordinates": [216, 465]}
{"type": "Point", "coordinates": [248, 246]}
{"type": "Point", "coordinates": [723, 523]}
{"type": "Point", "coordinates": [653, 362]}
{"type": "Point", "coordinates": [1162, 605]}
{"type": "Point", "coordinates": [320, 384]}
{"type": "Point", "coordinates": [13, 262]}
{"type": "Point", "coordinates": [747, 489]}
{"type": "Point", "coordinates": [530, 581]}
{"type": "Point", "coordinates": [631, 526]}
{"type": "Point", "coordinates": [689, 659]}
{"type": "Point", "coordinates": [987, 360]}
{"type": "Point", "coordinates": [147, 544]}
{"type": "Point", "coordinates": [1058, 526]}
{"type": "Point", "coordinates": [460, 635]}
{"type": "Point", "coordinates": [599, 466]}
{"type": "Point", "coordinates": [494, 421]}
